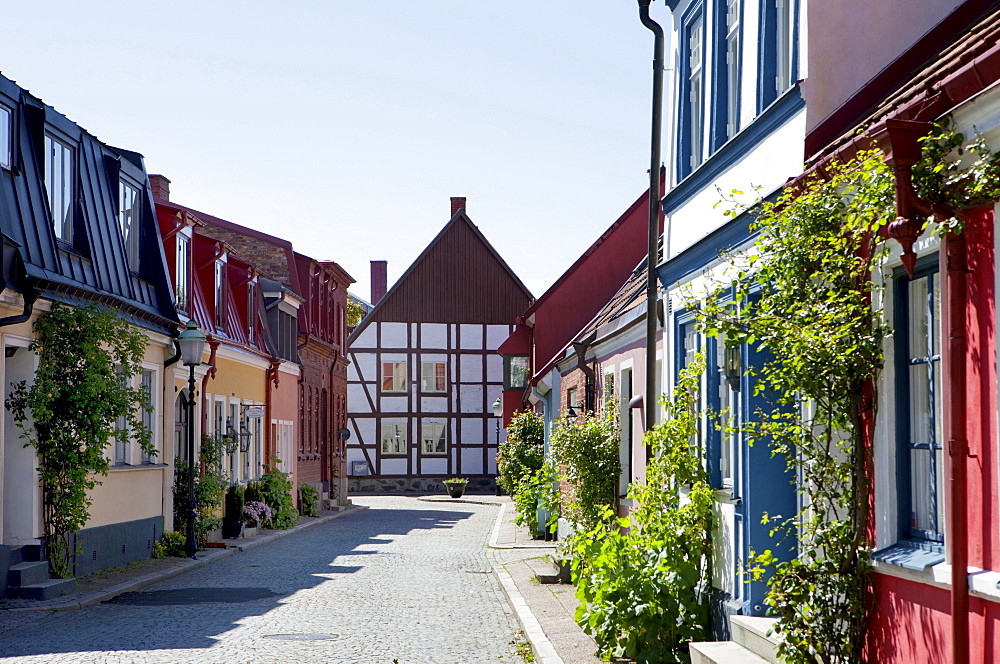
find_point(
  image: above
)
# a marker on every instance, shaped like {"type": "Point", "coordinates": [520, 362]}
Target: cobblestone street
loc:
{"type": "Point", "coordinates": [407, 581]}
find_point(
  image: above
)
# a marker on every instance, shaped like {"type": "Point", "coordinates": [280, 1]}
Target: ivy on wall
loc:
{"type": "Point", "coordinates": [81, 399]}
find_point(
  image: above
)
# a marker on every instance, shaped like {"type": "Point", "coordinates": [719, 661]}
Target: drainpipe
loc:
{"type": "Point", "coordinates": [29, 295]}
{"type": "Point", "coordinates": [214, 345]}
{"type": "Point", "coordinates": [654, 215]}
{"type": "Point", "coordinates": [954, 266]}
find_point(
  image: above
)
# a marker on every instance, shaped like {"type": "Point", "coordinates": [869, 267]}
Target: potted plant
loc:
{"type": "Point", "coordinates": [456, 486]}
{"type": "Point", "coordinates": [257, 512]}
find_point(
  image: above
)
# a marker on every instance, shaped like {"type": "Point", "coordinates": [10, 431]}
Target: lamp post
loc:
{"type": "Point", "coordinates": [498, 413]}
{"type": "Point", "coordinates": [191, 342]}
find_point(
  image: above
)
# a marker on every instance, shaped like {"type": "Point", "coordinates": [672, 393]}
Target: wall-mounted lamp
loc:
{"type": "Point", "coordinates": [733, 365]}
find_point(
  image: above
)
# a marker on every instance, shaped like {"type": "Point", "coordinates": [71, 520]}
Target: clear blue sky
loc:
{"type": "Point", "coordinates": [346, 125]}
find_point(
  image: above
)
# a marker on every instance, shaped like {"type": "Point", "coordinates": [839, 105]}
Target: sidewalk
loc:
{"type": "Point", "coordinates": [546, 612]}
{"type": "Point", "coordinates": [104, 585]}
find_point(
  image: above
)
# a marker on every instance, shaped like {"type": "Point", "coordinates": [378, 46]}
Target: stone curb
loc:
{"type": "Point", "coordinates": [203, 559]}
{"type": "Point", "coordinates": [545, 652]}
{"type": "Point", "coordinates": [496, 535]}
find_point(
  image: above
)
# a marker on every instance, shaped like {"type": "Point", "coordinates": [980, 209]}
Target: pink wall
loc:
{"type": "Point", "coordinates": [912, 623]}
{"type": "Point", "coordinates": [878, 33]}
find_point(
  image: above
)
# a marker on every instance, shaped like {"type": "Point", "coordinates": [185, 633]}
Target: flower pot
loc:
{"type": "Point", "coordinates": [455, 489]}
{"type": "Point", "coordinates": [231, 529]}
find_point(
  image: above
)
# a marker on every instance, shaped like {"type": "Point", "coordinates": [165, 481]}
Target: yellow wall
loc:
{"type": "Point", "coordinates": [237, 379]}
{"type": "Point", "coordinates": [128, 495]}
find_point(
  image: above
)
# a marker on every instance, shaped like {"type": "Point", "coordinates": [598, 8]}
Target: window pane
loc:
{"type": "Point", "coordinates": [6, 118]}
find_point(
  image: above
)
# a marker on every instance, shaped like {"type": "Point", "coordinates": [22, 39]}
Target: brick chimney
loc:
{"type": "Point", "coordinates": [161, 187]}
{"type": "Point", "coordinates": [379, 280]}
{"type": "Point", "coordinates": [457, 203]}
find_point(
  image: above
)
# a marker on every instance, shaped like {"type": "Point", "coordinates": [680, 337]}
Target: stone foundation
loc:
{"type": "Point", "coordinates": [478, 485]}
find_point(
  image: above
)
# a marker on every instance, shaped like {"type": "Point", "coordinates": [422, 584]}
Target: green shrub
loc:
{"type": "Point", "coordinates": [234, 503]}
{"type": "Point", "coordinates": [641, 580]}
{"type": "Point", "coordinates": [522, 453]}
{"type": "Point", "coordinates": [308, 500]}
{"type": "Point", "coordinates": [209, 489]}
{"type": "Point", "coordinates": [540, 491]}
{"type": "Point", "coordinates": [170, 545]}
{"type": "Point", "coordinates": [587, 450]}
{"type": "Point", "coordinates": [275, 490]}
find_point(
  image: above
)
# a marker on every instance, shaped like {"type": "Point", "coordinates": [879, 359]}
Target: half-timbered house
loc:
{"type": "Point", "coordinates": [424, 371]}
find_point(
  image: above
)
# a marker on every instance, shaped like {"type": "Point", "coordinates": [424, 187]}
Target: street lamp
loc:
{"type": "Point", "coordinates": [191, 342]}
{"type": "Point", "coordinates": [498, 413]}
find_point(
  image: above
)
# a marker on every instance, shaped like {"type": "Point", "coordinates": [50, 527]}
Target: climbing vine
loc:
{"type": "Point", "coordinates": [81, 399]}
{"type": "Point", "coordinates": [642, 581]}
{"type": "Point", "coordinates": [808, 293]}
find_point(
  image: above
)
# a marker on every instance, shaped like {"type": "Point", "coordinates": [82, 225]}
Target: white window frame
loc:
{"type": "Point", "coordinates": [393, 440]}
{"type": "Point", "coordinates": [221, 314]}
{"type": "Point", "coordinates": [148, 381]}
{"type": "Point", "coordinates": [732, 67]}
{"type": "Point", "coordinates": [60, 159]}
{"type": "Point", "coordinates": [429, 377]}
{"type": "Point", "coordinates": [6, 136]}
{"type": "Point", "coordinates": [784, 35]}
{"type": "Point", "coordinates": [433, 437]}
{"type": "Point", "coordinates": [182, 273]}
{"type": "Point", "coordinates": [129, 214]}
{"type": "Point", "coordinates": [393, 376]}
{"type": "Point", "coordinates": [696, 91]}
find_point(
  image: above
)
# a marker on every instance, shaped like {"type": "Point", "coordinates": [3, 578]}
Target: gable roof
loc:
{"type": "Point", "coordinates": [458, 278]}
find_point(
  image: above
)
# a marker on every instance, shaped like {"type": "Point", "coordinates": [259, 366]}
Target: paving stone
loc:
{"type": "Point", "coordinates": [405, 580]}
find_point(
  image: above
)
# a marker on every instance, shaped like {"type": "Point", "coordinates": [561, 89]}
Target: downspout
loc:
{"type": "Point", "coordinates": [590, 386]}
{"type": "Point", "coordinates": [899, 140]}
{"type": "Point", "coordinates": [654, 215]}
{"type": "Point", "coordinates": [954, 266]}
{"type": "Point", "coordinates": [271, 376]}
{"type": "Point", "coordinates": [210, 373]}
{"type": "Point", "coordinates": [30, 295]}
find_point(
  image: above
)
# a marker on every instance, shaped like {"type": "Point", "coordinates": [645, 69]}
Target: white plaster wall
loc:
{"type": "Point", "coordinates": [363, 366]}
{"type": "Point", "coordinates": [472, 398]}
{"type": "Point", "coordinates": [472, 430]}
{"type": "Point", "coordinates": [393, 466]}
{"type": "Point", "coordinates": [366, 431]}
{"type": "Point", "coordinates": [433, 335]}
{"type": "Point", "coordinates": [496, 335]}
{"type": "Point", "coordinates": [472, 368]}
{"type": "Point", "coordinates": [494, 368]}
{"type": "Point", "coordinates": [393, 335]}
{"type": "Point", "coordinates": [393, 404]}
{"type": "Point", "coordinates": [472, 461]}
{"type": "Point", "coordinates": [357, 402]}
{"type": "Point", "coordinates": [22, 495]}
{"type": "Point", "coordinates": [472, 337]}
{"type": "Point", "coordinates": [368, 337]}
{"type": "Point", "coordinates": [434, 466]}
{"type": "Point", "coordinates": [434, 404]}
{"type": "Point", "coordinates": [774, 161]}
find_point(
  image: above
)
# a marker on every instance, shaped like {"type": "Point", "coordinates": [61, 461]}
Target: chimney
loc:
{"type": "Point", "coordinates": [379, 280]}
{"type": "Point", "coordinates": [457, 203]}
{"type": "Point", "coordinates": [161, 187]}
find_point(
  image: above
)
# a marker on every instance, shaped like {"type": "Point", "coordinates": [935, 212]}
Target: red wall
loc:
{"type": "Point", "coordinates": [911, 623]}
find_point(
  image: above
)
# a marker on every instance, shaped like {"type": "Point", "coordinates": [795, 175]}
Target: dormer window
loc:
{"type": "Point", "coordinates": [129, 205]}
{"type": "Point", "coordinates": [6, 136]}
{"type": "Point", "coordinates": [59, 186]}
{"type": "Point", "coordinates": [252, 312]}
{"type": "Point", "coordinates": [220, 294]}
{"type": "Point", "coordinates": [182, 273]}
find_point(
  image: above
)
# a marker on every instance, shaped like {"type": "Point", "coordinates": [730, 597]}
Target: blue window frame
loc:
{"type": "Point", "coordinates": [691, 100]}
{"type": "Point", "coordinates": [777, 50]}
{"type": "Point", "coordinates": [918, 386]}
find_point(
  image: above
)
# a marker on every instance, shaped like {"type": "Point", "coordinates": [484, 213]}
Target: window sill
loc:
{"type": "Point", "coordinates": [983, 584]}
{"type": "Point", "coordinates": [124, 467]}
{"type": "Point", "coordinates": [911, 554]}
{"type": "Point", "coordinates": [725, 496]}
